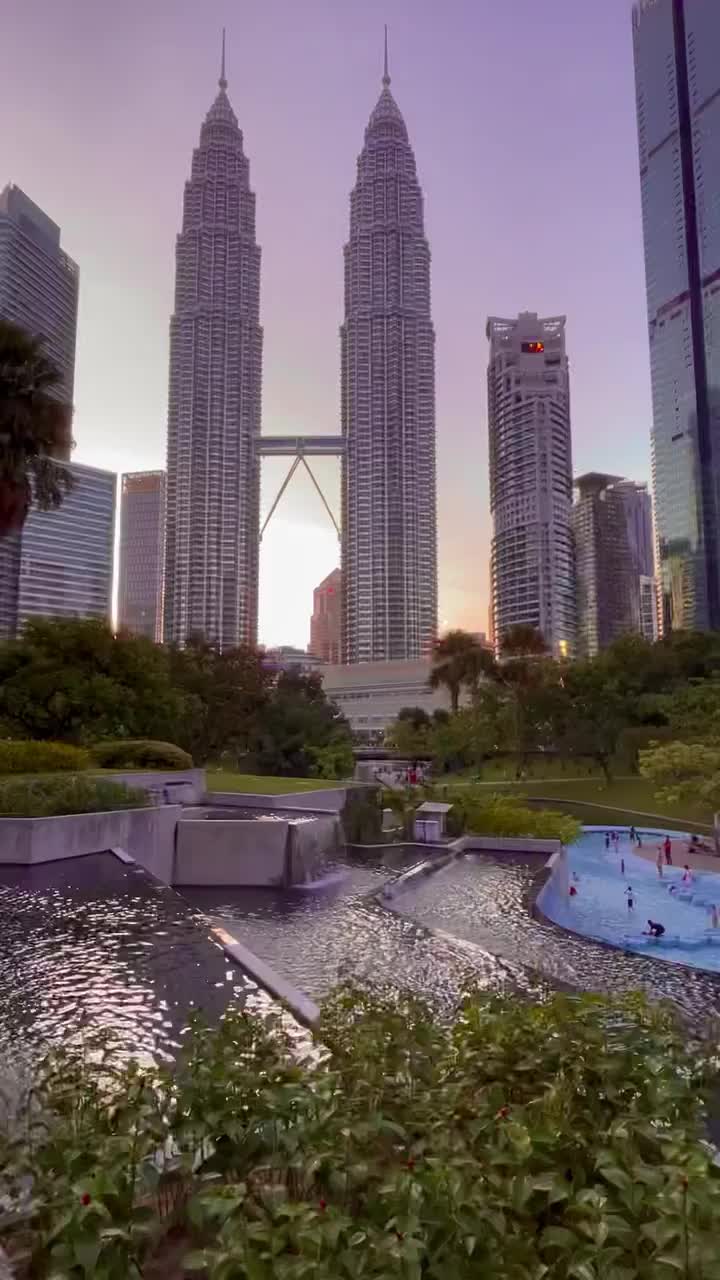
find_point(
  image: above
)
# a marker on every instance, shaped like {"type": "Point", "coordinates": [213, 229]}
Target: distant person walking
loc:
{"type": "Point", "coordinates": [659, 861]}
{"type": "Point", "coordinates": [630, 898]}
{"type": "Point", "coordinates": [607, 839]}
{"type": "Point", "coordinates": [622, 866]}
{"type": "Point", "coordinates": [633, 835]}
{"type": "Point", "coordinates": [667, 848]}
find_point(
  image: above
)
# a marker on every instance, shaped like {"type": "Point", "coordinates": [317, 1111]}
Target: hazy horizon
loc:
{"type": "Point", "coordinates": [523, 124]}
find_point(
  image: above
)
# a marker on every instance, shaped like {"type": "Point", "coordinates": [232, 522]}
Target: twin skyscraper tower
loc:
{"type": "Point", "coordinates": [387, 439]}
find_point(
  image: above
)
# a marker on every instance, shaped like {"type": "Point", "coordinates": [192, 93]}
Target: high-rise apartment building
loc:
{"type": "Point", "coordinates": [608, 583]}
{"type": "Point", "coordinates": [677, 72]}
{"type": "Point", "coordinates": [38, 283]}
{"type": "Point", "coordinates": [142, 537]}
{"type": "Point", "coordinates": [389, 538]}
{"type": "Point", "coordinates": [65, 556]}
{"type": "Point", "coordinates": [326, 621]}
{"type": "Point", "coordinates": [213, 491]}
{"type": "Point", "coordinates": [532, 564]}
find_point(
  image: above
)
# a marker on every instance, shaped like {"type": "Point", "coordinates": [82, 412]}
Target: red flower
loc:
{"type": "Point", "coordinates": [85, 1199]}
{"type": "Point", "coordinates": [323, 1206]}
{"type": "Point", "coordinates": [684, 1183]}
{"type": "Point", "coordinates": [411, 1163]}
{"type": "Point", "coordinates": [502, 1114]}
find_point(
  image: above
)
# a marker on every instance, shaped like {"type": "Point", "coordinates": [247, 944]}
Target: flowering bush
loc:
{"type": "Point", "coordinates": [560, 1140]}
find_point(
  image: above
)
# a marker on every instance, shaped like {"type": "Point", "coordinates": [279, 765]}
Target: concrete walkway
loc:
{"type": "Point", "coordinates": [681, 854]}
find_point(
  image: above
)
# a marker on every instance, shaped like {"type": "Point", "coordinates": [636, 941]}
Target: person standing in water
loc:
{"type": "Point", "coordinates": [607, 839]}
{"type": "Point", "coordinates": [630, 898]}
{"type": "Point", "coordinates": [633, 835]}
{"type": "Point", "coordinates": [659, 861]}
{"type": "Point", "coordinates": [667, 847]}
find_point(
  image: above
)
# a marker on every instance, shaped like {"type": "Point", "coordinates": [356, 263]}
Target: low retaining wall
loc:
{"type": "Point", "coordinates": [329, 800]}
{"type": "Point", "coordinates": [190, 783]}
{"type": "Point", "coordinates": [147, 835]}
{"type": "Point", "coordinates": [233, 852]}
{"type": "Point", "coordinates": [507, 844]}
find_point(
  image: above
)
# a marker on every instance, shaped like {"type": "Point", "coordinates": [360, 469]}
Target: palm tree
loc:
{"type": "Point", "coordinates": [522, 641]}
{"type": "Point", "coordinates": [460, 660]}
{"type": "Point", "coordinates": [34, 429]}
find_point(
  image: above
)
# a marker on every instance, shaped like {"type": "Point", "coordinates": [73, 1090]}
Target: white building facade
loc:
{"type": "Point", "coordinates": [372, 694]}
{"type": "Point", "coordinates": [389, 538]}
{"type": "Point", "coordinates": [213, 490]}
{"type": "Point", "coordinates": [532, 562]}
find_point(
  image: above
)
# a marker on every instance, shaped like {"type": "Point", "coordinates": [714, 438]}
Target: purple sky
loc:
{"type": "Point", "coordinates": [523, 123]}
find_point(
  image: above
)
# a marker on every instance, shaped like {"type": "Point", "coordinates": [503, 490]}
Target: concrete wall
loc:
{"type": "Point", "coordinates": [506, 844]}
{"type": "Point", "coordinates": [235, 852]}
{"type": "Point", "coordinates": [329, 800]}
{"type": "Point", "coordinates": [157, 779]}
{"type": "Point", "coordinates": [147, 835]}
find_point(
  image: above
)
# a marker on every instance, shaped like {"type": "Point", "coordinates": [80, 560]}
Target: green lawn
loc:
{"type": "Point", "coordinates": [227, 780]}
{"type": "Point", "coordinates": [613, 802]}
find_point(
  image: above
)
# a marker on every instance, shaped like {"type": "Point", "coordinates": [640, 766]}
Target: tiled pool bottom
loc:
{"type": "Point", "coordinates": [599, 909]}
{"type": "Point", "coordinates": [95, 942]}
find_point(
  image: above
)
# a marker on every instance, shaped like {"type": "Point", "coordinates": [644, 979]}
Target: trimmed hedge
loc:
{"type": "Point", "coordinates": [42, 757]}
{"type": "Point", "coordinates": [139, 753]}
{"type": "Point", "coordinates": [50, 797]}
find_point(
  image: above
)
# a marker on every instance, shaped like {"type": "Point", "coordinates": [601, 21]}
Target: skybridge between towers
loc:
{"type": "Point", "coordinates": [299, 448]}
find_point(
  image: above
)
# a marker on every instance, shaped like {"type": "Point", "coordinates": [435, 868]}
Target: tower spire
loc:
{"type": "Point", "coordinates": [386, 73]}
{"type": "Point", "coordinates": [222, 81]}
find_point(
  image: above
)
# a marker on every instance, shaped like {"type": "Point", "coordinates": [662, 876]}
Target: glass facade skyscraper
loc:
{"type": "Point", "coordinates": [677, 71]}
{"type": "Point", "coordinates": [65, 556]}
{"type": "Point", "coordinates": [142, 535]}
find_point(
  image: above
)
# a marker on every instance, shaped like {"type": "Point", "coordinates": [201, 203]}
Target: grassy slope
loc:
{"type": "Point", "coordinates": [226, 780]}
{"type": "Point", "coordinates": [622, 795]}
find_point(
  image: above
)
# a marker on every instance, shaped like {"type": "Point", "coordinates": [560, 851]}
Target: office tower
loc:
{"type": "Point", "coordinates": [326, 621]}
{"type": "Point", "coordinates": [677, 73]}
{"type": "Point", "coordinates": [212, 516]}
{"type": "Point", "coordinates": [648, 608]}
{"type": "Point", "coordinates": [389, 539]}
{"type": "Point", "coordinates": [532, 568]}
{"type": "Point", "coordinates": [608, 579]}
{"type": "Point", "coordinates": [66, 555]}
{"type": "Point", "coordinates": [142, 537]}
{"type": "Point", "coordinates": [39, 283]}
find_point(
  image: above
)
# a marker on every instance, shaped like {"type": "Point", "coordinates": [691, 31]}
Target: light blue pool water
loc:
{"type": "Point", "coordinates": [599, 909]}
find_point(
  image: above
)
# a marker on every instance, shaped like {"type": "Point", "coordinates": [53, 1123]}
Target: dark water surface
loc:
{"type": "Point", "coordinates": [97, 941]}
{"type": "Point", "coordinates": [316, 938]}
{"type": "Point", "coordinates": [94, 940]}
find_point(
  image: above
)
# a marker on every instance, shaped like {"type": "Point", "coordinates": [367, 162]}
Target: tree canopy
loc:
{"type": "Point", "coordinates": [35, 428]}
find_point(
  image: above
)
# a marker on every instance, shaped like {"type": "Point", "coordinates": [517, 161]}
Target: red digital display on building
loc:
{"type": "Point", "coordinates": [533, 348]}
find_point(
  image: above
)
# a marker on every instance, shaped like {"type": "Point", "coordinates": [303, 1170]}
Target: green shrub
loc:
{"type": "Point", "coordinates": [481, 813]}
{"type": "Point", "coordinates": [49, 797]}
{"type": "Point", "coordinates": [41, 757]}
{"type": "Point", "coordinates": [557, 1140]}
{"type": "Point", "coordinates": [139, 753]}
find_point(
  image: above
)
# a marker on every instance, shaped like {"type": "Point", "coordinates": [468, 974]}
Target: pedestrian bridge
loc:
{"type": "Point", "coordinates": [299, 448]}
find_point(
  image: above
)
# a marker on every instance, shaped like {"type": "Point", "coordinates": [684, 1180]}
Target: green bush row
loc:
{"type": "Point", "coordinates": [139, 753]}
{"type": "Point", "coordinates": [50, 797]}
{"type": "Point", "coordinates": [41, 757]}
